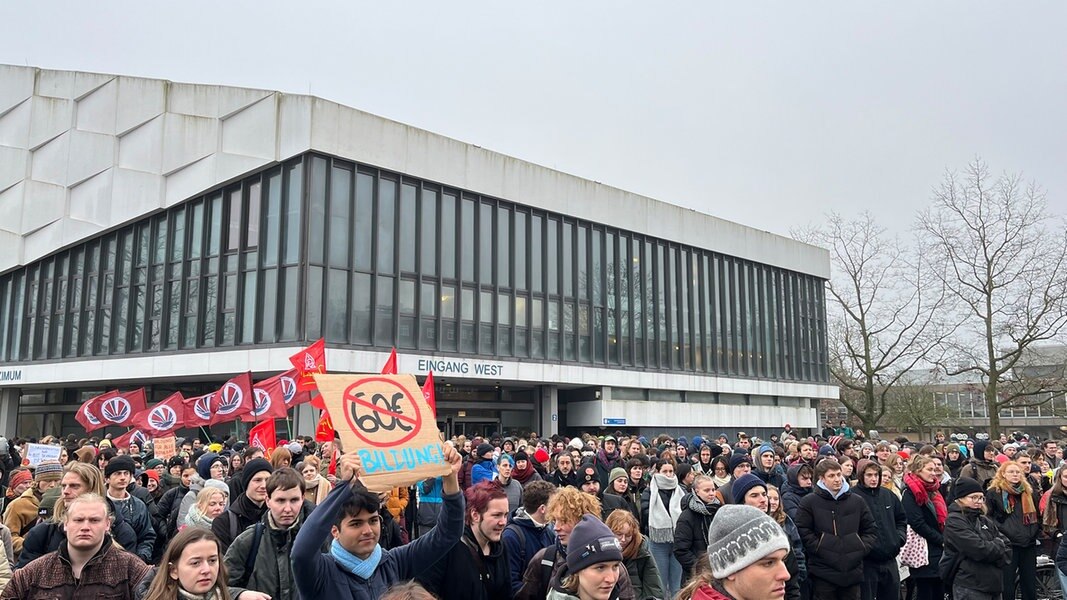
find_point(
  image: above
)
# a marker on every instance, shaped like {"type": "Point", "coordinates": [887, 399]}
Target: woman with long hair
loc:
{"type": "Point", "coordinates": [720, 471]}
{"type": "Point", "coordinates": [926, 510]}
{"type": "Point", "coordinates": [281, 458]}
{"type": "Point", "coordinates": [661, 505]}
{"type": "Point", "coordinates": [316, 487]}
{"type": "Point", "coordinates": [1012, 503]}
{"type": "Point", "coordinates": [1054, 519]}
{"type": "Point", "coordinates": [895, 462]}
{"type": "Point", "coordinates": [210, 503]}
{"type": "Point", "coordinates": [636, 557]}
{"type": "Point", "coordinates": [192, 568]}
{"type": "Point", "coordinates": [691, 532]}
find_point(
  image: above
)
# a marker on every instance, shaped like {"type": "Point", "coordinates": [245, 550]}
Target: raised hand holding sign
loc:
{"type": "Point", "coordinates": [385, 421]}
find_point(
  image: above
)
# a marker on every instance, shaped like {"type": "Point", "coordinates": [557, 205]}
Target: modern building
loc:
{"type": "Point", "coordinates": [169, 235]}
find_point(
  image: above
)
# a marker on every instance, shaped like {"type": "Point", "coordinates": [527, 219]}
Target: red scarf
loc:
{"type": "Point", "coordinates": [926, 492]}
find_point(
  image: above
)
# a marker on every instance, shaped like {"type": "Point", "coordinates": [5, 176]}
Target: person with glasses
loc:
{"type": "Point", "coordinates": [975, 551]}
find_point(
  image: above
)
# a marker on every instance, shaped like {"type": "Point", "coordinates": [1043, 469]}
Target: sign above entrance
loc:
{"type": "Point", "coordinates": [444, 367]}
{"type": "Point", "coordinates": [10, 375]}
{"type": "Point", "coordinates": [614, 421]}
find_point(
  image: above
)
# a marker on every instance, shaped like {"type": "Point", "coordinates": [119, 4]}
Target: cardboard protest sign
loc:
{"type": "Point", "coordinates": [38, 453]}
{"type": "Point", "coordinates": [385, 420]}
{"type": "Point", "coordinates": [164, 447]}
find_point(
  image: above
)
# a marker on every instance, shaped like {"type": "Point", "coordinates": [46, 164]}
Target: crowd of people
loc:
{"type": "Point", "coordinates": [832, 516]}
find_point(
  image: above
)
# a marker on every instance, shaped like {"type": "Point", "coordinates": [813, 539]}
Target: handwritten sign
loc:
{"type": "Point", "coordinates": [386, 421]}
{"type": "Point", "coordinates": [38, 453]}
{"type": "Point", "coordinates": [164, 447]}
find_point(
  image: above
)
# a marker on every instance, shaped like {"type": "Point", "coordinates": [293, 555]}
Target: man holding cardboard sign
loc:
{"type": "Point", "coordinates": [356, 566]}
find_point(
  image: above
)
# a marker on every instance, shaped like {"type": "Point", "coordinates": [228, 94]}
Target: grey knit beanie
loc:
{"type": "Point", "coordinates": [741, 535]}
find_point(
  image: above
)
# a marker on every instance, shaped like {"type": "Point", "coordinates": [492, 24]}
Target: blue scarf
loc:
{"type": "Point", "coordinates": [354, 564]}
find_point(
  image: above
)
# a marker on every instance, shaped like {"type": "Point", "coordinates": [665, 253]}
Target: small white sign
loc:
{"type": "Point", "coordinates": [38, 453]}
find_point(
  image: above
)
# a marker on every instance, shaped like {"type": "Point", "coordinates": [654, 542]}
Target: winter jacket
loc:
{"type": "Point", "coordinates": [21, 515]}
{"type": "Point", "coordinates": [465, 573]}
{"type": "Point", "coordinates": [483, 471]}
{"type": "Point", "coordinates": [464, 475]}
{"type": "Point", "coordinates": [791, 492]}
{"type": "Point", "coordinates": [167, 511]}
{"type": "Point", "coordinates": [626, 501]}
{"type": "Point", "coordinates": [48, 537]}
{"type": "Point", "coordinates": [391, 535]}
{"type": "Point", "coordinates": [890, 520]}
{"type": "Point", "coordinates": [711, 592]}
{"type": "Point", "coordinates": [1011, 524]}
{"type": "Point", "coordinates": [240, 515]}
{"type": "Point", "coordinates": [644, 575]}
{"type": "Point", "coordinates": [604, 464]}
{"type": "Point", "coordinates": [980, 470]}
{"type": "Point", "coordinates": [136, 514]}
{"type": "Point", "coordinates": [547, 565]}
{"type": "Point", "coordinates": [923, 519]}
{"type": "Point", "coordinates": [691, 536]}
{"type": "Point", "coordinates": [837, 533]}
{"type": "Point", "coordinates": [319, 575]}
{"type": "Point", "coordinates": [559, 480]}
{"type": "Point", "coordinates": [982, 550]}
{"type": "Point", "coordinates": [610, 503]}
{"type": "Point", "coordinates": [397, 501]}
{"type": "Point", "coordinates": [646, 505]}
{"type": "Point", "coordinates": [523, 538]}
{"type": "Point", "coordinates": [112, 573]}
{"type": "Point", "coordinates": [429, 501]}
{"type": "Point", "coordinates": [773, 477]}
{"type": "Point", "coordinates": [142, 588]}
{"type": "Point", "coordinates": [513, 489]}
{"type": "Point", "coordinates": [272, 572]}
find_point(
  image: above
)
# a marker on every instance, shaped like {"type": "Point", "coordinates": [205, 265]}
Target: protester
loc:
{"type": "Point", "coordinates": [661, 504]}
{"type": "Point", "coordinates": [511, 487]}
{"type": "Point", "coordinates": [982, 466]}
{"type": "Point", "coordinates": [975, 552]}
{"type": "Point", "coordinates": [316, 487]}
{"type": "Point", "coordinates": [798, 485]}
{"type": "Point", "coordinates": [750, 490]}
{"type": "Point", "coordinates": [739, 464]}
{"type": "Point", "coordinates": [356, 566]}
{"type": "Point", "coordinates": [691, 531]}
{"type": "Point", "coordinates": [926, 511]}
{"type": "Point", "coordinates": [636, 556]}
{"type": "Point", "coordinates": [194, 570]}
{"type": "Point", "coordinates": [1012, 503]}
{"type": "Point", "coordinates": [21, 513]}
{"type": "Point", "coordinates": [87, 565]}
{"type": "Point", "coordinates": [881, 576]}
{"type": "Point", "coordinates": [593, 573]}
{"type": "Point", "coordinates": [210, 503]}
{"type": "Point", "coordinates": [485, 468]}
{"type": "Point", "coordinates": [529, 532]}
{"type": "Point", "coordinates": [248, 508]}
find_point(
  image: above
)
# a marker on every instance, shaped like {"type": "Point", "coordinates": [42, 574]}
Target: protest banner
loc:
{"type": "Point", "coordinates": [38, 453]}
{"type": "Point", "coordinates": [386, 421]}
{"type": "Point", "coordinates": [164, 447]}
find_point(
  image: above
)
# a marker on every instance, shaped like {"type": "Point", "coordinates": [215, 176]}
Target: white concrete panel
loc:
{"type": "Point", "coordinates": [56, 84]}
{"type": "Point", "coordinates": [75, 230]}
{"type": "Point", "coordinates": [90, 201]}
{"type": "Point", "coordinates": [135, 194]}
{"type": "Point", "coordinates": [140, 100]}
{"type": "Point", "coordinates": [15, 125]}
{"type": "Point", "coordinates": [14, 163]}
{"type": "Point", "coordinates": [141, 148]}
{"type": "Point", "coordinates": [47, 203]}
{"type": "Point", "coordinates": [96, 112]}
{"type": "Point", "coordinates": [43, 241]}
{"type": "Point", "coordinates": [210, 101]}
{"type": "Point", "coordinates": [294, 125]}
{"type": "Point", "coordinates": [188, 139]}
{"type": "Point", "coordinates": [229, 166]}
{"type": "Point", "coordinates": [12, 204]}
{"type": "Point", "coordinates": [90, 153]}
{"type": "Point", "coordinates": [12, 255]}
{"type": "Point", "coordinates": [189, 181]}
{"type": "Point", "coordinates": [252, 131]}
{"type": "Point", "coordinates": [234, 99]}
{"type": "Point", "coordinates": [17, 85]}
{"type": "Point", "coordinates": [49, 118]}
{"type": "Point", "coordinates": [50, 161]}
{"type": "Point", "coordinates": [88, 83]}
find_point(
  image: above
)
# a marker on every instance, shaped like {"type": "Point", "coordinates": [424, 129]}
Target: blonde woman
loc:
{"type": "Point", "coordinates": [316, 487]}
{"type": "Point", "coordinates": [1012, 504]}
{"type": "Point", "coordinates": [636, 557]}
{"type": "Point", "coordinates": [210, 503]}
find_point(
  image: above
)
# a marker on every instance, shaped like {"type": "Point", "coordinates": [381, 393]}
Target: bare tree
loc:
{"type": "Point", "coordinates": [914, 408]}
{"type": "Point", "coordinates": [1002, 257]}
{"type": "Point", "coordinates": [882, 314]}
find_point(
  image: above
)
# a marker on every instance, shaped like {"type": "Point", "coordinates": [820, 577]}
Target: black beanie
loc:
{"type": "Point", "coordinates": [591, 542]}
{"type": "Point", "coordinates": [482, 450]}
{"type": "Point", "coordinates": [979, 449]}
{"type": "Point", "coordinates": [965, 486]}
{"type": "Point", "coordinates": [521, 455]}
{"type": "Point", "coordinates": [737, 459]}
{"type": "Point", "coordinates": [251, 468]}
{"type": "Point", "coordinates": [203, 465]}
{"type": "Point", "coordinates": [119, 463]}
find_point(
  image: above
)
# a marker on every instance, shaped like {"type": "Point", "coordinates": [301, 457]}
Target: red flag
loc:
{"type": "Point", "coordinates": [308, 361]}
{"type": "Point", "coordinates": [263, 436]}
{"type": "Point", "coordinates": [133, 436]}
{"type": "Point", "coordinates": [163, 418]}
{"type": "Point", "coordinates": [390, 365]}
{"type": "Point", "coordinates": [234, 398]}
{"type": "Point", "coordinates": [318, 402]}
{"type": "Point", "coordinates": [198, 410]}
{"type": "Point", "coordinates": [429, 394]}
{"type": "Point", "coordinates": [112, 408]}
{"type": "Point", "coordinates": [89, 412]}
{"type": "Point", "coordinates": [324, 431]}
{"type": "Point", "coordinates": [273, 397]}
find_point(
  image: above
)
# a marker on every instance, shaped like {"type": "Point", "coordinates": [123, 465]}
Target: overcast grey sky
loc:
{"type": "Point", "coordinates": [768, 114]}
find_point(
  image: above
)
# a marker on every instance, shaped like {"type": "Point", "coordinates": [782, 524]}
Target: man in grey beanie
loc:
{"type": "Point", "coordinates": [747, 551]}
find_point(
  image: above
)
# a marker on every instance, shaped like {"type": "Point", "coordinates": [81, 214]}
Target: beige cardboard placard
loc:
{"type": "Point", "coordinates": [385, 420]}
{"type": "Point", "coordinates": [164, 448]}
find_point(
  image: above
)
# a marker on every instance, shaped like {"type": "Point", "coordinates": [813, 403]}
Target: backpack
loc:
{"type": "Point", "coordinates": [253, 551]}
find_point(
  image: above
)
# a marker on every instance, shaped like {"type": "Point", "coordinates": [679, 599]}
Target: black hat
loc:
{"type": "Point", "coordinates": [965, 486]}
{"type": "Point", "coordinates": [176, 461]}
{"type": "Point", "coordinates": [119, 463]}
{"type": "Point", "coordinates": [591, 542]}
{"type": "Point", "coordinates": [254, 466]}
{"type": "Point", "coordinates": [737, 459]}
{"type": "Point", "coordinates": [587, 474]}
{"type": "Point", "coordinates": [483, 449]}
{"type": "Point", "coordinates": [521, 455]}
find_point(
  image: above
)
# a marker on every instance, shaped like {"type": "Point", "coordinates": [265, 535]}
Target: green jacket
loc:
{"type": "Point", "coordinates": [272, 572]}
{"type": "Point", "coordinates": [644, 575]}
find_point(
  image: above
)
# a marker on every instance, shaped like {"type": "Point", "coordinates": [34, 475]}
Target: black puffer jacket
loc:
{"type": "Point", "coordinates": [889, 517]}
{"type": "Point", "coordinates": [691, 533]}
{"type": "Point", "coordinates": [983, 550]}
{"type": "Point", "coordinates": [792, 493]}
{"type": "Point", "coordinates": [923, 519]}
{"type": "Point", "coordinates": [837, 533]}
{"type": "Point", "coordinates": [1011, 524]}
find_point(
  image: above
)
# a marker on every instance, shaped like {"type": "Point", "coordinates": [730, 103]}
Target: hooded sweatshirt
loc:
{"type": "Point", "coordinates": [889, 516]}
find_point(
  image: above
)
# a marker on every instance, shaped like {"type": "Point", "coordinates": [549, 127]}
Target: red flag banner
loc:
{"type": "Point", "coordinates": [199, 409]}
{"type": "Point", "coordinates": [112, 408]}
{"type": "Point", "coordinates": [89, 412]}
{"type": "Point", "coordinates": [273, 397]}
{"type": "Point", "coordinates": [133, 436]}
{"type": "Point", "coordinates": [390, 364]}
{"type": "Point", "coordinates": [429, 394]}
{"type": "Point", "coordinates": [264, 437]}
{"type": "Point", "coordinates": [309, 361]}
{"type": "Point", "coordinates": [163, 418]}
{"type": "Point", "coordinates": [234, 399]}
{"type": "Point", "coordinates": [324, 431]}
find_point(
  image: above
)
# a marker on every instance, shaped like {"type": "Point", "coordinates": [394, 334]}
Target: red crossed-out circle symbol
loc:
{"type": "Point", "coordinates": [391, 416]}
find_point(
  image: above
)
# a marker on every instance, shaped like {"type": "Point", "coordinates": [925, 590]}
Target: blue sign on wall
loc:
{"type": "Point", "coordinates": [614, 421]}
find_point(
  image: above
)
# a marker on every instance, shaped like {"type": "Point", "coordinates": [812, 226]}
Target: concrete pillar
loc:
{"type": "Point", "coordinates": [548, 411]}
{"type": "Point", "coordinates": [9, 411]}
